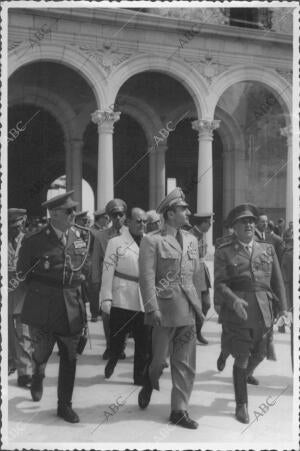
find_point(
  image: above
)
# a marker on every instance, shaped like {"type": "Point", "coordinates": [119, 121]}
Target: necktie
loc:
{"type": "Point", "coordinates": [63, 239]}
{"type": "Point", "coordinates": [248, 249]}
{"type": "Point", "coordinates": [179, 238]}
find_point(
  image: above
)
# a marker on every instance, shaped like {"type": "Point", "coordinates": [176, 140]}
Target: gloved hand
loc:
{"type": "Point", "coordinates": [106, 306]}
{"type": "Point", "coordinates": [155, 317]}
{"type": "Point", "coordinates": [239, 306]}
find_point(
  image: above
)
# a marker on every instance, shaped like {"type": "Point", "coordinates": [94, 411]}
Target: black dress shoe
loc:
{"type": "Point", "coordinates": [36, 388]}
{"type": "Point", "coordinates": [94, 319]}
{"type": "Point", "coordinates": [201, 339]}
{"type": "Point", "coordinates": [252, 380]}
{"type": "Point", "coordinates": [11, 371]}
{"type": "Point", "coordinates": [24, 381]}
{"type": "Point", "coordinates": [122, 356]}
{"type": "Point", "coordinates": [221, 362]}
{"type": "Point", "coordinates": [181, 418]}
{"type": "Point", "coordinates": [145, 396]}
{"type": "Point", "coordinates": [106, 355]}
{"type": "Point", "coordinates": [241, 413]}
{"type": "Point", "coordinates": [67, 413]}
{"type": "Point", "coordinates": [110, 366]}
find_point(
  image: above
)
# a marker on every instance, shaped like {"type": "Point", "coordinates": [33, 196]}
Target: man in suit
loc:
{"type": "Point", "coordinates": [121, 298]}
{"type": "Point", "coordinates": [247, 280]}
{"type": "Point", "coordinates": [116, 211]}
{"type": "Point", "coordinates": [19, 344]}
{"type": "Point", "coordinates": [264, 231]}
{"type": "Point", "coordinates": [201, 225]}
{"type": "Point", "coordinates": [169, 270]}
{"type": "Point", "coordinates": [52, 262]}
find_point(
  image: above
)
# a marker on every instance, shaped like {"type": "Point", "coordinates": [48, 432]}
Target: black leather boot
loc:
{"type": "Point", "coordinates": [146, 392]}
{"type": "Point", "coordinates": [66, 380]}
{"type": "Point", "coordinates": [36, 388]}
{"type": "Point", "coordinates": [252, 364]}
{"type": "Point", "coordinates": [241, 395]}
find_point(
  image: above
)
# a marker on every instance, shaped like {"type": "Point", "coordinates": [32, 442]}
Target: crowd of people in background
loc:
{"type": "Point", "coordinates": [107, 253]}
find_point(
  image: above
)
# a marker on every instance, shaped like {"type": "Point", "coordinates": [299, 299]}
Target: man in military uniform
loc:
{"type": "Point", "coordinates": [19, 345]}
{"type": "Point", "coordinates": [201, 225]}
{"type": "Point", "coordinates": [52, 261]}
{"type": "Point", "coordinates": [169, 269]}
{"type": "Point", "coordinates": [247, 280]}
{"type": "Point", "coordinates": [116, 211]}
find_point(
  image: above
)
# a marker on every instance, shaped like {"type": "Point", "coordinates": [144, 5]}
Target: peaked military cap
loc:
{"type": "Point", "coordinates": [200, 217]}
{"type": "Point", "coordinates": [99, 213]}
{"type": "Point", "coordinates": [61, 202]}
{"type": "Point", "coordinates": [116, 205]}
{"type": "Point", "coordinates": [241, 211]}
{"type": "Point", "coordinates": [175, 198]}
{"type": "Point", "coordinates": [15, 216]}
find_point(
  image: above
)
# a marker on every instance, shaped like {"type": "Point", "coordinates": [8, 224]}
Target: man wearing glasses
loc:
{"type": "Point", "coordinates": [120, 296]}
{"type": "Point", "coordinates": [247, 280]}
{"type": "Point", "coordinates": [52, 261]}
{"type": "Point", "coordinates": [116, 211]}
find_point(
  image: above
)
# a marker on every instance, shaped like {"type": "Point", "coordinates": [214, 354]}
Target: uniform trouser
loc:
{"type": "Point", "coordinates": [106, 327]}
{"type": "Point", "coordinates": [205, 301]}
{"type": "Point", "coordinates": [43, 343]}
{"type": "Point", "coordinates": [123, 321]}
{"type": "Point", "coordinates": [19, 346]}
{"type": "Point", "coordinates": [180, 344]}
{"type": "Point", "coordinates": [94, 298]}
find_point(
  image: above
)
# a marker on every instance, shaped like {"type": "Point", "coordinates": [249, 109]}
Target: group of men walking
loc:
{"type": "Point", "coordinates": [151, 286]}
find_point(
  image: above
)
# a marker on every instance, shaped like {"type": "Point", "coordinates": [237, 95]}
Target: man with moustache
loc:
{"type": "Point", "coordinates": [247, 280]}
{"type": "Point", "coordinates": [116, 211]}
{"type": "Point", "coordinates": [53, 259]}
{"type": "Point", "coordinates": [169, 268]}
{"type": "Point", "coordinates": [121, 298]}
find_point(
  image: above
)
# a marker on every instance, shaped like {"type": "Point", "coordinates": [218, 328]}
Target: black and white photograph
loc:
{"type": "Point", "coordinates": [150, 225]}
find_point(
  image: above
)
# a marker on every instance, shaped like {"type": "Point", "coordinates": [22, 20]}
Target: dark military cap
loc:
{"type": "Point", "coordinates": [241, 211]}
{"type": "Point", "coordinates": [61, 202]}
{"type": "Point", "coordinates": [115, 205]}
{"type": "Point", "coordinates": [99, 213]}
{"type": "Point", "coordinates": [175, 198]}
{"type": "Point", "coordinates": [16, 216]}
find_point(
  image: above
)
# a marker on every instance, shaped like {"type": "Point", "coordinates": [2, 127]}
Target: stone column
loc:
{"type": "Point", "coordinates": [105, 185]}
{"type": "Point", "coordinates": [76, 170]}
{"type": "Point", "coordinates": [160, 182]}
{"type": "Point", "coordinates": [68, 165]}
{"type": "Point", "coordinates": [152, 178]}
{"type": "Point", "coordinates": [288, 133]}
{"type": "Point", "coordinates": [205, 169]}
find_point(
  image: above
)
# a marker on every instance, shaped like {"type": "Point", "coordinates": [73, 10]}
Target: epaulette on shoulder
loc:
{"type": "Point", "coordinates": [225, 243]}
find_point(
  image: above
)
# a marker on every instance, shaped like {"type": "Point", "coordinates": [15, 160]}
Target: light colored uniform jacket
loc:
{"type": "Point", "coordinates": [122, 255]}
{"type": "Point", "coordinates": [169, 277]}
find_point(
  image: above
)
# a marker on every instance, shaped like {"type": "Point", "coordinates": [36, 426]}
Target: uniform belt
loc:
{"type": "Point", "coordinates": [248, 285]}
{"type": "Point", "coordinates": [55, 282]}
{"type": "Point", "coordinates": [121, 275]}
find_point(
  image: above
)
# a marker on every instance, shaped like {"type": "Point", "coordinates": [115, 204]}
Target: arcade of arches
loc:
{"type": "Point", "coordinates": [152, 129]}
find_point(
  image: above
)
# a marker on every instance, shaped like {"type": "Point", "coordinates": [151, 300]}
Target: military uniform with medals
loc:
{"type": "Point", "coordinates": [53, 306]}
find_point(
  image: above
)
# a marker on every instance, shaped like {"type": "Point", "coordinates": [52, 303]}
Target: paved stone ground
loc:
{"type": "Point", "coordinates": [211, 404]}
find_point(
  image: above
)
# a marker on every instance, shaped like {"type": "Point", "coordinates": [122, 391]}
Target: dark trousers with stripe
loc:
{"type": "Point", "coordinates": [122, 322]}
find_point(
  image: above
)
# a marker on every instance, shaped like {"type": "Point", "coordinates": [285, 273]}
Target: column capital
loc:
{"type": "Point", "coordinates": [105, 119]}
{"type": "Point", "coordinates": [205, 127]}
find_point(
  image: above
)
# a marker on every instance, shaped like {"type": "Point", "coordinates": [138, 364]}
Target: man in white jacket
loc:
{"type": "Point", "coordinates": [120, 296]}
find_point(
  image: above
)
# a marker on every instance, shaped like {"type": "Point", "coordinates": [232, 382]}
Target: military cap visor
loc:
{"type": "Point", "coordinates": [99, 213]}
{"type": "Point", "coordinates": [240, 212]}
{"type": "Point", "coordinates": [81, 214]}
{"type": "Point", "coordinates": [61, 202]}
{"type": "Point", "coordinates": [15, 215]}
{"type": "Point", "coordinates": [175, 198]}
{"type": "Point", "coordinates": [116, 206]}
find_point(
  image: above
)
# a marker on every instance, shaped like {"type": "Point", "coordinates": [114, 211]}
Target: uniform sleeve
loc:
{"type": "Point", "coordinates": [197, 277]}
{"type": "Point", "coordinates": [277, 283]}
{"type": "Point", "coordinates": [108, 270]}
{"type": "Point", "coordinates": [222, 292]}
{"type": "Point", "coordinates": [147, 270]}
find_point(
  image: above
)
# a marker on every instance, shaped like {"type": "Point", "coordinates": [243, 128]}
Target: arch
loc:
{"type": "Point", "coordinates": [50, 102]}
{"type": "Point", "coordinates": [64, 54]}
{"type": "Point", "coordinates": [268, 77]}
{"type": "Point", "coordinates": [184, 73]}
{"type": "Point", "coordinates": [143, 114]}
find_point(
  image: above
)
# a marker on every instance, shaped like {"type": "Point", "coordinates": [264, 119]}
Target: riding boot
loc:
{"type": "Point", "coordinates": [241, 395]}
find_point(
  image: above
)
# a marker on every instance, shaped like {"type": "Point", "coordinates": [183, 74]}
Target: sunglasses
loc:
{"type": "Point", "coordinates": [140, 221]}
{"type": "Point", "coordinates": [70, 211]}
{"type": "Point", "coordinates": [116, 214]}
